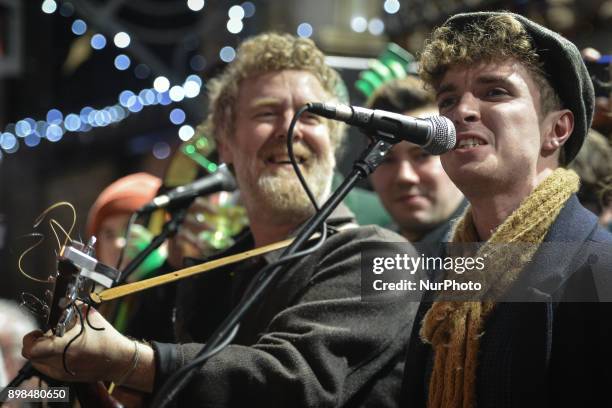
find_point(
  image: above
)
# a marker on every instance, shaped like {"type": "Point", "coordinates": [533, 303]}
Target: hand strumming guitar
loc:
{"type": "Point", "coordinates": [96, 355]}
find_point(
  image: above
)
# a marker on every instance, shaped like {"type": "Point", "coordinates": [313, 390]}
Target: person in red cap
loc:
{"type": "Point", "coordinates": [107, 221]}
{"type": "Point", "coordinates": [110, 213]}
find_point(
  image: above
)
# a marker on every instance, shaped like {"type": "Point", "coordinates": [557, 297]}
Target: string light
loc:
{"type": "Point", "coordinates": [22, 128]}
{"type": "Point", "coordinates": [177, 93]}
{"type": "Point", "coordinates": [8, 141]}
{"type": "Point", "coordinates": [98, 41]}
{"type": "Point", "coordinates": [57, 125]}
{"type": "Point", "coordinates": [54, 117]}
{"type": "Point", "coordinates": [195, 5]}
{"type": "Point", "coordinates": [163, 98]}
{"type": "Point", "coordinates": [359, 24]}
{"type": "Point", "coordinates": [192, 86]}
{"type": "Point", "coordinates": [376, 26]}
{"type": "Point", "coordinates": [227, 54]}
{"type": "Point", "coordinates": [72, 123]}
{"type": "Point", "coordinates": [161, 84]}
{"type": "Point", "coordinates": [236, 13]}
{"type": "Point", "coordinates": [391, 6]}
{"type": "Point", "coordinates": [177, 116]}
{"type": "Point", "coordinates": [122, 62]}
{"type": "Point", "coordinates": [147, 97]}
{"type": "Point", "coordinates": [186, 132]}
{"type": "Point", "coordinates": [54, 133]}
{"type": "Point", "coordinates": [122, 39]}
{"type": "Point", "coordinates": [235, 24]}
{"type": "Point", "coordinates": [32, 140]}
{"type": "Point", "coordinates": [49, 6]}
{"type": "Point", "coordinates": [79, 27]}
{"type": "Point", "coordinates": [249, 9]}
{"type": "Point", "coordinates": [304, 30]}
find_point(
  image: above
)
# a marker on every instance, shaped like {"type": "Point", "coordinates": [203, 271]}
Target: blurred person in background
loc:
{"type": "Point", "coordinates": [107, 220]}
{"type": "Point", "coordinates": [602, 117]}
{"type": "Point", "coordinates": [15, 323]}
{"type": "Point", "coordinates": [410, 182]}
{"type": "Point", "coordinates": [109, 215]}
{"type": "Point", "coordinates": [602, 122]}
{"type": "Point", "coordinates": [594, 167]}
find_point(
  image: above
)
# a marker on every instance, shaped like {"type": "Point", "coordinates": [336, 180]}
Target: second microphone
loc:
{"type": "Point", "coordinates": [221, 180]}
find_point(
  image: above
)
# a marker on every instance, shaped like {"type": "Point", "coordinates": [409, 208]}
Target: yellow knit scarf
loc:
{"type": "Point", "coordinates": [454, 328]}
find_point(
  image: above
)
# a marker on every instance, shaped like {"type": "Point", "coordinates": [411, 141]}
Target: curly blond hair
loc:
{"type": "Point", "coordinates": [495, 38]}
{"type": "Point", "coordinates": [258, 55]}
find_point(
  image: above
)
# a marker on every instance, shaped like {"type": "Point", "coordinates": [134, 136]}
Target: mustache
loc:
{"type": "Point", "coordinates": [279, 148]}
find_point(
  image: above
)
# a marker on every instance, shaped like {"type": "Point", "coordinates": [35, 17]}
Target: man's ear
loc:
{"type": "Point", "coordinates": [556, 129]}
{"type": "Point", "coordinates": [225, 153]}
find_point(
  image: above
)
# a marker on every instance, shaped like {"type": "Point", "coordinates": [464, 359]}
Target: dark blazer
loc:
{"type": "Point", "coordinates": [552, 351]}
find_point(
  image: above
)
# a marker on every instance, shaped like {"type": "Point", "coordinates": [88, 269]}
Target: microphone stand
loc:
{"type": "Point", "coordinates": [363, 167]}
{"type": "Point", "coordinates": [168, 230]}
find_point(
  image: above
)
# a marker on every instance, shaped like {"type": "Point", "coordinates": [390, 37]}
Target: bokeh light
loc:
{"type": "Point", "coordinates": [304, 30]}
{"type": "Point", "coordinates": [227, 54]}
{"type": "Point", "coordinates": [122, 39]}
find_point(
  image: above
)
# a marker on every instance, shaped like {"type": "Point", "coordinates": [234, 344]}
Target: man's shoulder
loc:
{"type": "Point", "coordinates": [364, 233]}
{"type": "Point", "coordinates": [598, 234]}
{"type": "Point", "coordinates": [577, 224]}
{"type": "Point", "coordinates": [348, 242]}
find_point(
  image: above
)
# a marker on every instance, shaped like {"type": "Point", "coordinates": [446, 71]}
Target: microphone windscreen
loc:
{"type": "Point", "coordinates": [444, 135]}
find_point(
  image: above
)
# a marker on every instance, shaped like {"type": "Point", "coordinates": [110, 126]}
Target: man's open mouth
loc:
{"type": "Point", "coordinates": [470, 142]}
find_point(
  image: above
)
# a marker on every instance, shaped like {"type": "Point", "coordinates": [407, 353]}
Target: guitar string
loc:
{"type": "Point", "coordinates": [54, 225]}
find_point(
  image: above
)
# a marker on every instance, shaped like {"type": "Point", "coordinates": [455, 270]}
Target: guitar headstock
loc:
{"type": "Point", "coordinates": [77, 272]}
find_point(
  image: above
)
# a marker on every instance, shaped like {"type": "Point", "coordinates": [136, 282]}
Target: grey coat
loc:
{"type": "Point", "coordinates": [311, 342]}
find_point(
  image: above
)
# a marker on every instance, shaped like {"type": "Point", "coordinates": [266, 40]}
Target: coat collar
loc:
{"type": "Point", "coordinates": [556, 258]}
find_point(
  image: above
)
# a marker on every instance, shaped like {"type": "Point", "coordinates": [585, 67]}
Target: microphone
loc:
{"type": "Point", "coordinates": [435, 134]}
{"type": "Point", "coordinates": [221, 180]}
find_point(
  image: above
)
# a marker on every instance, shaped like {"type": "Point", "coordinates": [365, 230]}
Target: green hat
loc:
{"type": "Point", "coordinates": [564, 68]}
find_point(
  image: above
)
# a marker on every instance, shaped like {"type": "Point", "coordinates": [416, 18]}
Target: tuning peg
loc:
{"type": "Point", "coordinates": [48, 296]}
{"type": "Point", "coordinates": [44, 312]}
